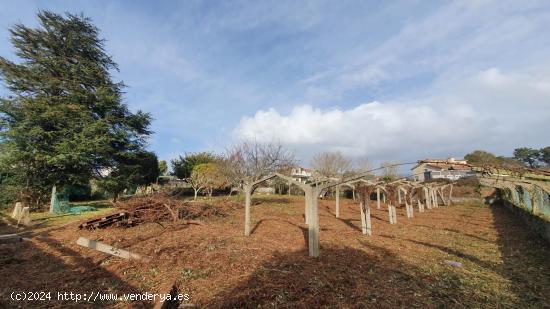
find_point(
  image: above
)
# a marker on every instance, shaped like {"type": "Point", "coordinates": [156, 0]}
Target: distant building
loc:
{"type": "Point", "coordinates": [301, 174]}
{"type": "Point", "coordinates": [265, 190]}
{"type": "Point", "coordinates": [451, 169]}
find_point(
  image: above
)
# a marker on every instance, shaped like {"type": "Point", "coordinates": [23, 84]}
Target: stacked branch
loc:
{"type": "Point", "coordinates": [161, 209]}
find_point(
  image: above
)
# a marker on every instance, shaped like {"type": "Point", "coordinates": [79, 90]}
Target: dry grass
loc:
{"type": "Point", "coordinates": [402, 265]}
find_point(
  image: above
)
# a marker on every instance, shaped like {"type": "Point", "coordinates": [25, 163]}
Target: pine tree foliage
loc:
{"type": "Point", "coordinates": [64, 120]}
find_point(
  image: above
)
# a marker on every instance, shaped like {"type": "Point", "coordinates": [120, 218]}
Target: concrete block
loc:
{"type": "Point", "coordinates": [17, 211]}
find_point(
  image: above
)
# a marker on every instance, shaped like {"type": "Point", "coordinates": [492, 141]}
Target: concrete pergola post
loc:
{"type": "Point", "coordinates": [434, 198]}
{"type": "Point", "coordinates": [366, 225]}
{"type": "Point", "coordinates": [399, 195]}
{"type": "Point", "coordinates": [408, 205]}
{"type": "Point", "coordinates": [247, 206]}
{"type": "Point", "coordinates": [440, 192]}
{"type": "Point", "coordinates": [418, 192]}
{"type": "Point", "coordinates": [311, 208]}
{"type": "Point", "coordinates": [392, 214]}
{"type": "Point", "coordinates": [53, 199]}
{"type": "Point", "coordinates": [427, 197]}
{"type": "Point", "coordinates": [377, 198]}
{"type": "Point", "coordinates": [451, 195]}
{"type": "Point", "coordinates": [409, 209]}
{"type": "Point", "coordinates": [369, 223]}
{"type": "Point", "coordinates": [363, 219]}
{"type": "Point", "coordinates": [308, 203]}
{"type": "Point", "coordinates": [337, 201]}
{"type": "Point", "coordinates": [312, 194]}
{"type": "Point", "coordinates": [289, 185]}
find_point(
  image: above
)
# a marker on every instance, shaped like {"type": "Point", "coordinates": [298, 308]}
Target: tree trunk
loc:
{"type": "Point", "coordinates": [196, 193]}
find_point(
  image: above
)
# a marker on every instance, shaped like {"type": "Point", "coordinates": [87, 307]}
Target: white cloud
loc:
{"type": "Point", "coordinates": [487, 110]}
{"type": "Point", "coordinates": [373, 129]}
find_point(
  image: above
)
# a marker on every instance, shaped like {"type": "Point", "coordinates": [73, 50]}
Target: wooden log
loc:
{"type": "Point", "coordinates": [120, 219]}
{"type": "Point", "coordinates": [101, 247]}
{"type": "Point", "coordinates": [10, 238]}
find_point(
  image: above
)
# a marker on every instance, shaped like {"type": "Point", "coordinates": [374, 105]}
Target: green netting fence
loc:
{"type": "Point", "coordinates": [522, 198]}
{"type": "Point", "coordinates": [61, 205]}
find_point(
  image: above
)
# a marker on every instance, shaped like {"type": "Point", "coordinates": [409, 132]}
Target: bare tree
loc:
{"type": "Point", "coordinates": [362, 164]}
{"type": "Point", "coordinates": [249, 162]}
{"type": "Point", "coordinates": [390, 170]}
{"type": "Point", "coordinates": [227, 171]}
{"type": "Point", "coordinates": [331, 164]}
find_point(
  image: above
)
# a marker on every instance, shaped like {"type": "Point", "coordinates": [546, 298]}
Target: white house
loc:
{"type": "Point", "coordinates": [451, 169]}
{"type": "Point", "coordinates": [301, 174]}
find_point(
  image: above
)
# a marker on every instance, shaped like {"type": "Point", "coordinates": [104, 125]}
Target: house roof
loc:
{"type": "Point", "coordinates": [456, 164]}
{"type": "Point", "coordinates": [448, 166]}
{"type": "Point", "coordinates": [303, 168]}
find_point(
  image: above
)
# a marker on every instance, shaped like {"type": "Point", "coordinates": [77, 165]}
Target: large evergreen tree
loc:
{"type": "Point", "coordinates": [64, 120]}
{"type": "Point", "coordinates": [528, 156]}
{"type": "Point", "coordinates": [135, 168]}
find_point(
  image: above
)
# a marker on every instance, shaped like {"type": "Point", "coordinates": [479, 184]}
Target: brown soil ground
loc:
{"type": "Point", "coordinates": [402, 265]}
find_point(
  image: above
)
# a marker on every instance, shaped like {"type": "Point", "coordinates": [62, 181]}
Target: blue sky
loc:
{"type": "Point", "coordinates": [390, 80]}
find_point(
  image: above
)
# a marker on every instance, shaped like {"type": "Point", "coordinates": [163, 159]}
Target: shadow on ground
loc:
{"type": "Point", "coordinates": [341, 277]}
{"type": "Point", "coordinates": [525, 258]}
{"type": "Point", "coordinates": [45, 264]}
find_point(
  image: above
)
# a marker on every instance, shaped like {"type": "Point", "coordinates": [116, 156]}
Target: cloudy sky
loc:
{"type": "Point", "coordinates": [391, 80]}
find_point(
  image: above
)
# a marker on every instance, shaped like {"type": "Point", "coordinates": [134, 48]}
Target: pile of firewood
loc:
{"type": "Point", "coordinates": [151, 209]}
{"type": "Point", "coordinates": [158, 209]}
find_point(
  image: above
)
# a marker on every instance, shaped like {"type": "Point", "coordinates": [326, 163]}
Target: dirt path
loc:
{"type": "Point", "coordinates": [402, 265]}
